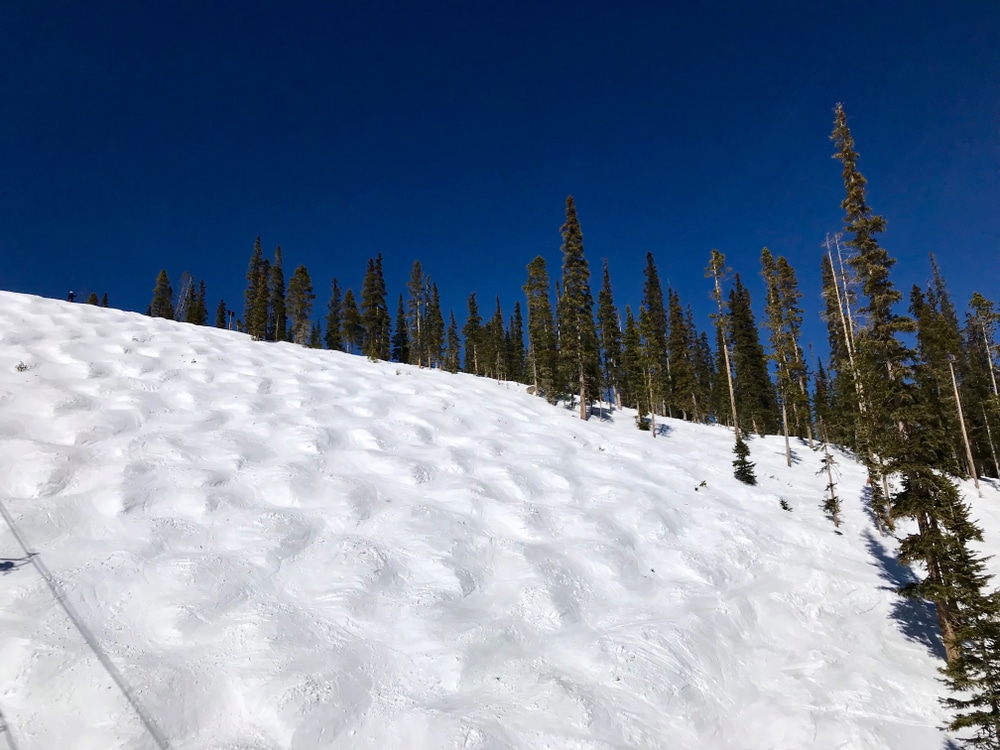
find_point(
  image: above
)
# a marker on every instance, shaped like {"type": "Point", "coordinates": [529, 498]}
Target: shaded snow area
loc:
{"type": "Point", "coordinates": [286, 548]}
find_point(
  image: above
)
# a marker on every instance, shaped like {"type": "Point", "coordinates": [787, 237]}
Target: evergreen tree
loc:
{"type": "Point", "coordinates": [632, 373]}
{"type": "Point", "coordinates": [353, 328]}
{"type": "Point", "coordinates": [316, 336]}
{"type": "Point", "coordinates": [300, 304]}
{"type": "Point", "coordinates": [841, 419]}
{"type": "Point", "coordinates": [755, 397]}
{"type": "Point", "coordinates": [880, 356]}
{"type": "Point", "coordinates": [494, 343]}
{"type": "Point", "coordinates": [981, 383]}
{"type": "Point", "coordinates": [653, 329]}
{"type": "Point", "coordinates": [717, 271]}
{"type": "Point", "coordinates": [579, 352]}
{"type": "Point", "coordinates": [162, 305]}
{"type": "Point", "coordinates": [742, 466]}
{"type": "Point", "coordinates": [252, 293]}
{"type": "Point", "coordinates": [472, 331]}
{"type": "Point", "coordinates": [261, 310]}
{"type": "Point", "coordinates": [515, 346]}
{"type": "Point", "coordinates": [191, 306]}
{"type": "Point", "coordinates": [278, 324]}
{"type": "Point", "coordinates": [375, 317]}
{"type": "Point", "coordinates": [704, 369]}
{"type": "Point", "coordinates": [542, 353]}
{"type": "Point", "coordinates": [104, 300]}
{"type": "Point", "coordinates": [433, 329]}
{"type": "Point", "coordinates": [202, 318]}
{"type": "Point", "coordinates": [681, 355]}
{"type": "Point", "coordinates": [400, 339]}
{"type": "Point", "coordinates": [334, 318]}
{"type": "Point", "coordinates": [92, 299]}
{"type": "Point", "coordinates": [831, 503]}
{"type": "Point", "coordinates": [453, 353]}
{"type": "Point", "coordinates": [416, 310]}
{"type": "Point", "coordinates": [220, 314]}
{"type": "Point", "coordinates": [610, 335]}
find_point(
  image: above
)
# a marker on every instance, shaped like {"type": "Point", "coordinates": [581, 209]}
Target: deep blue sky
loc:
{"type": "Point", "coordinates": [135, 136]}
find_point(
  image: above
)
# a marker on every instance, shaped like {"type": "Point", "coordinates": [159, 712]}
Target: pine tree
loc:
{"type": "Point", "coordinates": [653, 329]}
{"type": "Point", "coordinates": [880, 356]}
{"type": "Point", "coordinates": [472, 331]}
{"type": "Point", "coordinates": [316, 336]}
{"type": "Point", "coordinates": [704, 369]}
{"type": "Point", "coordinates": [515, 346]}
{"type": "Point", "coordinates": [542, 353]}
{"type": "Point", "coordinates": [252, 293]}
{"type": "Point", "coordinates": [261, 310]}
{"type": "Point", "coordinates": [300, 304]}
{"type": "Point", "coordinates": [783, 318]}
{"type": "Point", "coordinates": [717, 271]}
{"type": "Point", "coordinates": [681, 355]}
{"type": "Point", "coordinates": [579, 352]}
{"type": "Point", "coordinates": [220, 314]}
{"type": "Point", "coordinates": [755, 397]}
{"type": "Point", "coordinates": [610, 335]}
{"type": "Point", "coordinates": [494, 343]}
{"type": "Point", "coordinates": [433, 329]}
{"type": "Point", "coordinates": [375, 317]}
{"type": "Point", "coordinates": [400, 339]}
{"type": "Point", "coordinates": [742, 466]}
{"type": "Point", "coordinates": [104, 300]}
{"type": "Point", "coordinates": [202, 317]}
{"type": "Point", "coordinates": [162, 305]}
{"type": "Point", "coordinates": [334, 318]}
{"type": "Point", "coordinates": [633, 377]}
{"type": "Point", "coordinates": [278, 324]}
{"type": "Point", "coordinates": [979, 343]}
{"type": "Point", "coordinates": [353, 329]}
{"type": "Point", "coordinates": [416, 308]}
{"type": "Point", "coordinates": [92, 299]}
{"type": "Point", "coordinates": [453, 353]}
{"type": "Point", "coordinates": [191, 308]}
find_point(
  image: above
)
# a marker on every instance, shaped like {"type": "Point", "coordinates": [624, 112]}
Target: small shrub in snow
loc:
{"type": "Point", "coordinates": [21, 367]}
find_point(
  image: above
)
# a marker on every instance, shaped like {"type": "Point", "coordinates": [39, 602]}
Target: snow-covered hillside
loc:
{"type": "Point", "coordinates": [286, 548]}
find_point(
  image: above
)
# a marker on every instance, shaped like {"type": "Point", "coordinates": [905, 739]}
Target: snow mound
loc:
{"type": "Point", "coordinates": [288, 548]}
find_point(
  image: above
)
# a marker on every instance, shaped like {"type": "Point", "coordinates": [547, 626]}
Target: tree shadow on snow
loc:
{"type": "Point", "coordinates": [662, 430]}
{"type": "Point", "coordinates": [916, 618]}
{"type": "Point", "coordinates": [951, 745]}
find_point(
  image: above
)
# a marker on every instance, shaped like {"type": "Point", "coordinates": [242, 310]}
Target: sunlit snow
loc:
{"type": "Point", "coordinates": [287, 548]}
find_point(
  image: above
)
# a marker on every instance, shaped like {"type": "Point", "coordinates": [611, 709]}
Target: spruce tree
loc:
{"type": "Point", "coordinates": [202, 317]}
{"type": "Point", "coordinates": [452, 357]}
{"type": "Point", "coordinates": [542, 353]}
{"type": "Point", "coordinates": [220, 314]}
{"type": "Point", "coordinates": [334, 318]}
{"type": "Point", "coordinates": [261, 309]}
{"type": "Point", "coordinates": [717, 271]}
{"type": "Point", "coordinates": [981, 383]}
{"type": "Point", "coordinates": [880, 356]}
{"type": "Point", "coordinates": [162, 305]}
{"type": "Point", "coordinates": [92, 299]}
{"type": "Point", "coordinates": [375, 317]}
{"type": "Point", "coordinates": [278, 324]}
{"type": "Point", "coordinates": [400, 338]}
{"type": "Point", "coordinates": [610, 335]}
{"type": "Point", "coordinates": [104, 300]}
{"type": "Point", "coordinates": [191, 307]}
{"type": "Point", "coordinates": [300, 304]}
{"type": "Point", "coordinates": [472, 331]}
{"type": "Point", "coordinates": [416, 308]}
{"type": "Point", "coordinates": [515, 346]}
{"type": "Point", "coordinates": [316, 336]}
{"type": "Point", "coordinates": [252, 293]}
{"type": "Point", "coordinates": [633, 373]}
{"type": "Point", "coordinates": [755, 397]}
{"type": "Point", "coordinates": [681, 355]}
{"type": "Point", "coordinates": [353, 328]}
{"type": "Point", "coordinates": [653, 329]}
{"type": "Point", "coordinates": [742, 466]}
{"type": "Point", "coordinates": [433, 329]}
{"type": "Point", "coordinates": [579, 353]}
{"type": "Point", "coordinates": [704, 370]}
{"type": "Point", "coordinates": [494, 343]}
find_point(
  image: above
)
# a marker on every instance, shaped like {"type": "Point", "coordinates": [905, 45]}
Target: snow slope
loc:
{"type": "Point", "coordinates": [287, 548]}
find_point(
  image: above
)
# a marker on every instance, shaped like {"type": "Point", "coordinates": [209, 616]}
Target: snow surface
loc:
{"type": "Point", "coordinates": [287, 548]}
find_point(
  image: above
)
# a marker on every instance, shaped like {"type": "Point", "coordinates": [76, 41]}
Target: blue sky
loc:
{"type": "Point", "coordinates": [135, 136]}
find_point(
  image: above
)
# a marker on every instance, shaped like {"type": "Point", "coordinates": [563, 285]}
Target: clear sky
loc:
{"type": "Point", "coordinates": [142, 135]}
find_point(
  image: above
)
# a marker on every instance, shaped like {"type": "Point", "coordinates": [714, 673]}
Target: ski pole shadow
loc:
{"type": "Point", "coordinates": [10, 564]}
{"type": "Point", "coordinates": [915, 618]}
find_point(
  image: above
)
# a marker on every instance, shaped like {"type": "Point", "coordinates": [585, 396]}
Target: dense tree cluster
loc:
{"type": "Point", "coordinates": [913, 395]}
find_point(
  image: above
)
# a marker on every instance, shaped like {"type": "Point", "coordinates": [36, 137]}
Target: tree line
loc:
{"type": "Point", "coordinates": [914, 396]}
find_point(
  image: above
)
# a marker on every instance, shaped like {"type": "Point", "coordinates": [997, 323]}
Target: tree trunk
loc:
{"type": "Point", "coordinates": [784, 421]}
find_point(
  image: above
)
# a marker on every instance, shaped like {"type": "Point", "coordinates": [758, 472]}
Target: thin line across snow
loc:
{"type": "Point", "coordinates": [84, 631]}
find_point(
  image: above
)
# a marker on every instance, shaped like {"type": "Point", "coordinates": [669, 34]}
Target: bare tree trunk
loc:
{"type": "Point", "coordinates": [829, 476]}
{"type": "Point", "coordinates": [788, 445]}
{"type": "Point", "coordinates": [993, 449]}
{"type": "Point", "coordinates": [583, 395]}
{"type": "Point", "coordinates": [961, 421]}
